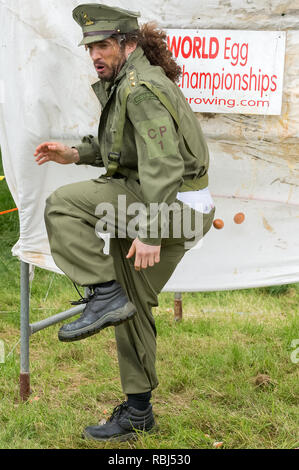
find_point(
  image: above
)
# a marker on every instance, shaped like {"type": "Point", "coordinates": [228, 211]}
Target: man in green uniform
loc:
{"type": "Point", "coordinates": [153, 149]}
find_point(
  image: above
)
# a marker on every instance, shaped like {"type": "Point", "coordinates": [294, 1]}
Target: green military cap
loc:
{"type": "Point", "coordinates": [99, 22]}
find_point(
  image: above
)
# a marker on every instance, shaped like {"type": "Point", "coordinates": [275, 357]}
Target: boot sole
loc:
{"type": "Point", "coordinates": [121, 437]}
{"type": "Point", "coordinates": [114, 318]}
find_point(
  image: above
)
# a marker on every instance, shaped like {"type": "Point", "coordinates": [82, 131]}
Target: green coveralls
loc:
{"type": "Point", "coordinates": [169, 158]}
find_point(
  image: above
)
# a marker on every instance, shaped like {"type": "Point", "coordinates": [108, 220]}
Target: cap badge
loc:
{"type": "Point", "coordinates": [87, 20]}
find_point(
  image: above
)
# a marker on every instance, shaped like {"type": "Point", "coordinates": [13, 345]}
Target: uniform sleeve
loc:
{"type": "Point", "coordinates": [160, 164]}
{"type": "Point", "coordinates": [89, 152]}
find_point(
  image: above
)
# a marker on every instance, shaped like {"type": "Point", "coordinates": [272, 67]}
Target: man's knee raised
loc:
{"type": "Point", "coordinates": [54, 201]}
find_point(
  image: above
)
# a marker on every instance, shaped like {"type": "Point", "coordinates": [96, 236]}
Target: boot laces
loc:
{"type": "Point", "coordinates": [118, 410]}
{"type": "Point", "coordinates": [83, 300]}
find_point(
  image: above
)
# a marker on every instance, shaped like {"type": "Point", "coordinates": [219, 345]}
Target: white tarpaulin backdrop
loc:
{"type": "Point", "coordinates": [254, 159]}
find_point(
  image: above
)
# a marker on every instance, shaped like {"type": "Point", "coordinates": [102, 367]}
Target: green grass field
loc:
{"type": "Point", "coordinates": [226, 373]}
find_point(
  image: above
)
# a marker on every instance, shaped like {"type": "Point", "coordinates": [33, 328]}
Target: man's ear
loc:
{"type": "Point", "coordinates": [130, 48]}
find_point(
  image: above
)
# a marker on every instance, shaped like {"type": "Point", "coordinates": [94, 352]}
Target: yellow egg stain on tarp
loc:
{"type": "Point", "coordinates": [267, 225]}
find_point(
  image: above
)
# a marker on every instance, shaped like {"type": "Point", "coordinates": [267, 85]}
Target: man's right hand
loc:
{"type": "Point", "coordinates": [56, 152]}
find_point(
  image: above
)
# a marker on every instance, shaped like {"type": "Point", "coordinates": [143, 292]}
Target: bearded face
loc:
{"type": "Point", "coordinates": [108, 58]}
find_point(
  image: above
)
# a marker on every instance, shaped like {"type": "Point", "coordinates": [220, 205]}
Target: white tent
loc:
{"type": "Point", "coordinates": [46, 95]}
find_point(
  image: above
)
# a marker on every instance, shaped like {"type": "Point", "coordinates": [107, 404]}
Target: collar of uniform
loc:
{"type": "Point", "coordinates": [135, 55]}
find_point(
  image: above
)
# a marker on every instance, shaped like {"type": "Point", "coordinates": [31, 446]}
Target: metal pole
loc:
{"type": "Point", "coordinates": [178, 306]}
{"type": "Point", "coordinates": [59, 317]}
{"type": "Point", "coordinates": [40, 325]}
{"type": "Point", "coordinates": [25, 333]}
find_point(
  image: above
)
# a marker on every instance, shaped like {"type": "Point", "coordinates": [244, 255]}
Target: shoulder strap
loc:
{"type": "Point", "coordinates": [162, 98]}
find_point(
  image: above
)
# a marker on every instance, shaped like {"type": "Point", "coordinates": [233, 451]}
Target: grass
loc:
{"type": "Point", "coordinates": [225, 371]}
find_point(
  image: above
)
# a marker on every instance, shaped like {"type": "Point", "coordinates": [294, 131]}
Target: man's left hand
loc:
{"type": "Point", "coordinates": [145, 255]}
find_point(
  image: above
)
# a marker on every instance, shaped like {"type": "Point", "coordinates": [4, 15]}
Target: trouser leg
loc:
{"type": "Point", "coordinates": [136, 339]}
{"type": "Point", "coordinates": [70, 221]}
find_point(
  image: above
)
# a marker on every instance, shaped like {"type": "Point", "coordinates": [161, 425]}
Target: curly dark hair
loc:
{"type": "Point", "coordinates": [154, 43]}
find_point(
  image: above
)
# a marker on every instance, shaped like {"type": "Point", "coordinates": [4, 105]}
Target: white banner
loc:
{"type": "Point", "coordinates": [254, 159]}
{"type": "Point", "coordinates": [230, 71]}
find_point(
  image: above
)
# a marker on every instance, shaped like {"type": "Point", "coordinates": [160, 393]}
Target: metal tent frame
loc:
{"type": "Point", "coordinates": [27, 329]}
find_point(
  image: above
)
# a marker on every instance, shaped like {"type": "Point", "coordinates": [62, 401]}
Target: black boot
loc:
{"type": "Point", "coordinates": [122, 424]}
{"type": "Point", "coordinates": [107, 306]}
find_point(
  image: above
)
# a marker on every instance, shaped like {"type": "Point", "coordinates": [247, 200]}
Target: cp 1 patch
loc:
{"type": "Point", "coordinates": [146, 95]}
{"type": "Point", "coordinates": [159, 137]}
